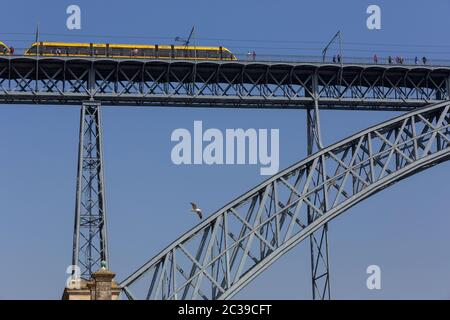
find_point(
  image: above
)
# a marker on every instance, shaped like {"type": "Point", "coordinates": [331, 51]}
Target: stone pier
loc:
{"type": "Point", "coordinates": [101, 287]}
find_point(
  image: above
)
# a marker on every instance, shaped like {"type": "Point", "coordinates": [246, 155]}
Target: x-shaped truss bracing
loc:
{"type": "Point", "coordinates": [228, 249]}
{"type": "Point", "coordinates": [217, 83]}
{"type": "Point", "coordinates": [90, 237]}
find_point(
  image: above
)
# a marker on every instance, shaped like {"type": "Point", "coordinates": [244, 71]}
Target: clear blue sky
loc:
{"type": "Point", "coordinates": [403, 229]}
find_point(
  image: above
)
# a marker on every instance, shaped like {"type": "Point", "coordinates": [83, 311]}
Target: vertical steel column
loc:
{"type": "Point", "coordinates": [90, 235]}
{"type": "Point", "coordinates": [320, 271]}
{"type": "Point", "coordinates": [448, 89]}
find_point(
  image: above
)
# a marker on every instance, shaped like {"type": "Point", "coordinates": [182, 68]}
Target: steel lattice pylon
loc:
{"type": "Point", "coordinates": [320, 269]}
{"type": "Point", "coordinates": [90, 235]}
{"type": "Point", "coordinates": [223, 253]}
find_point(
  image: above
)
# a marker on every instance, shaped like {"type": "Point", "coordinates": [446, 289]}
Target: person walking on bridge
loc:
{"type": "Point", "coordinates": [375, 58]}
{"type": "Point", "coordinates": [424, 60]}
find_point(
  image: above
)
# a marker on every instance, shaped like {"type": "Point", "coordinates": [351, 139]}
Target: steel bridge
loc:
{"type": "Point", "coordinates": [222, 254]}
{"type": "Point", "coordinates": [245, 84]}
{"type": "Point", "coordinates": [218, 257]}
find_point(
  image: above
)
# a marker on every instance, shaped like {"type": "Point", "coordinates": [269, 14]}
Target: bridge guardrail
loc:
{"type": "Point", "coordinates": [291, 58]}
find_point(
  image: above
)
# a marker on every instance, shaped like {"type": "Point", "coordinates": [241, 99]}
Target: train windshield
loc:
{"type": "Point", "coordinates": [3, 48]}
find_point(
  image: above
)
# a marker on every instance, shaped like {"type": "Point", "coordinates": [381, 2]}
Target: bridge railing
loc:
{"type": "Point", "coordinates": [381, 60]}
{"type": "Point", "coordinates": [295, 58]}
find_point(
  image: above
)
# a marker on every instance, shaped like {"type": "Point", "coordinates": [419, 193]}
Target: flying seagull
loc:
{"type": "Point", "coordinates": [197, 210]}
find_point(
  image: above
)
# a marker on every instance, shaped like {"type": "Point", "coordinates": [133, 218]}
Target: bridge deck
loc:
{"type": "Point", "coordinates": [262, 84]}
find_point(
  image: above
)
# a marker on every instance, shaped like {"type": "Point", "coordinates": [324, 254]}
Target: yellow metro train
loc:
{"type": "Point", "coordinates": [129, 51]}
{"type": "Point", "coordinates": [4, 49]}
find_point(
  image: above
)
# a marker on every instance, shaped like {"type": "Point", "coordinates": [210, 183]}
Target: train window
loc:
{"type": "Point", "coordinates": [190, 53]}
{"type": "Point", "coordinates": [98, 51]}
{"type": "Point", "coordinates": [86, 51]}
{"type": "Point", "coordinates": [117, 51]}
{"type": "Point", "coordinates": [113, 51]}
{"type": "Point", "coordinates": [147, 52]}
{"type": "Point", "coordinates": [139, 52]}
{"type": "Point", "coordinates": [201, 54]}
{"type": "Point", "coordinates": [80, 51]}
{"type": "Point", "coordinates": [43, 49]}
{"type": "Point", "coordinates": [213, 54]}
{"type": "Point", "coordinates": [33, 49]}
{"type": "Point", "coordinates": [164, 53]}
{"type": "Point", "coordinates": [3, 49]}
{"type": "Point", "coordinates": [71, 50]}
{"type": "Point", "coordinates": [65, 50]}
{"type": "Point", "coordinates": [127, 52]}
{"type": "Point", "coordinates": [50, 50]}
{"type": "Point", "coordinates": [181, 53]}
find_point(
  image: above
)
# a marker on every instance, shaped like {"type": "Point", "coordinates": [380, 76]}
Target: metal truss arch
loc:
{"type": "Point", "coordinates": [222, 254]}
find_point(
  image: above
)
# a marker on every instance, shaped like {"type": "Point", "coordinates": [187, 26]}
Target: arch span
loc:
{"type": "Point", "coordinates": [221, 255]}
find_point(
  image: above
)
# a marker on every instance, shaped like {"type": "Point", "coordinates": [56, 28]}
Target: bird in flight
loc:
{"type": "Point", "coordinates": [197, 210]}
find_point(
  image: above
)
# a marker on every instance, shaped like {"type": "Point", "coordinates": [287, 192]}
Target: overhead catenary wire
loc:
{"type": "Point", "coordinates": [264, 46]}
{"type": "Point", "coordinates": [170, 38]}
{"type": "Point", "coordinates": [297, 49]}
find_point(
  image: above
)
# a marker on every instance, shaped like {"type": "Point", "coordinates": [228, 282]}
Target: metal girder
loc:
{"type": "Point", "coordinates": [242, 84]}
{"type": "Point", "coordinates": [320, 270]}
{"type": "Point", "coordinates": [223, 253]}
{"type": "Point", "coordinates": [90, 245]}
